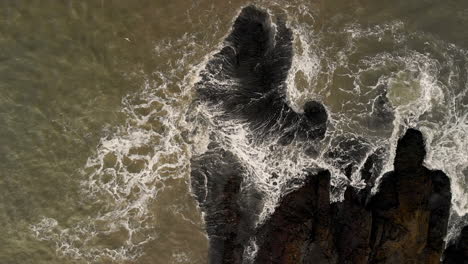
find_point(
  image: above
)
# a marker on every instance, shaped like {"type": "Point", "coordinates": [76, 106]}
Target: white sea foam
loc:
{"type": "Point", "coordinates": [131, 165]}
{"type": "Point", "coordinates": [436, 105]}
{"type": "Point", "coordinates": [129, 169]}
{"type": "Point", "coordinates": [270, 167]}
{"type": "Point", "coordinates": [250, 251]}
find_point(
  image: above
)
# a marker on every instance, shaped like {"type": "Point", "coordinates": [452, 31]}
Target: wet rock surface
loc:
{"type": "Point", "coordinates": [382, 115]}
{"type": "Point", "coordinates": [405, 221]}
{"type": "Point", "coordinates": [300, 228]}
{"type": "Point", "coordinates": [457, 250]}
{"type": "Point", "coordinates": [246, 80]}
{"type": "Point", "coordinates": [411, 209]}
{"type": "Point", "coordinates": [216, 182]}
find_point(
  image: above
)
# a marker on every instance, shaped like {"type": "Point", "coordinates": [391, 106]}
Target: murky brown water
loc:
{"type": "Point", "coordinates": [94, 161]}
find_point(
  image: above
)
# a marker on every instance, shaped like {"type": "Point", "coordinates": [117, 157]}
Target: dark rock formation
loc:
{"type": "Point", "coordinates": [411, 210]}
{"type": "Point", "coordinates": [404, 222]}
{"type": "Point", "coordinates": [381, 116]}
{"type": "Point", "coordinates": [216, 182]}
{"type": "Point", "coordinates": [371, 170]}
{"type": "Point", "coordinates": [457, 251]}
{"type": "Point", "coordinates": [300, 227]}
{"type": "Point", "coordinates": [247, 80]}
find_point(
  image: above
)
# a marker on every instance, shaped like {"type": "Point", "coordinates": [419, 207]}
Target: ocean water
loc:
{"type": "Point", "coordinates": [98, 121]}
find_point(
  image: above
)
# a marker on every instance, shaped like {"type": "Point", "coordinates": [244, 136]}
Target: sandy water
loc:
{"type": "Point", "coordinates": [97, 125]}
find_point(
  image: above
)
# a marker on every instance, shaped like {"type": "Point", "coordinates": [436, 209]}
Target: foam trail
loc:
{"type": "Point", "coordinates": [242, 100]}
{"type": "Point", "coordinates": [130, 168]}
{"type": "Point", "coordinates": [433, 98]}
{"type": "Point", "coordinates": [131, 165]}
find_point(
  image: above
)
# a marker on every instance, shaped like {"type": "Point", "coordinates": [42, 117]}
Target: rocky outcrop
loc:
{"type": "Point", "coordinates": [299, 230]}
{"type": "Point", "coordinates": [411, 209]}
{"type": "Point", "coordinates": [404, 222]}
{"type": "Point", "coordinates": [347, 152]}
{"type": "Point", "coordinates": [457, 250]}
{"type": "Point", "coordinates": [216, 182]}
{"type": "Point", "coordinates": [247, 80]}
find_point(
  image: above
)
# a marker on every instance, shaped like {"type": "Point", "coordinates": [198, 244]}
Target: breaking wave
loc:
{"type": "Point", "coordinates": [131, 167]}
{"type": "Point", "coordinates": [371, 97]}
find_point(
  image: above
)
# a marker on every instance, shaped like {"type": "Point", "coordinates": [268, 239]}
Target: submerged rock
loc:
{"type": "Point", "coordinates": [347, 152]}
{"type": "Point", "coordinates": [372, 168]}
{"type": "Point", "coordinates": [382, 114]}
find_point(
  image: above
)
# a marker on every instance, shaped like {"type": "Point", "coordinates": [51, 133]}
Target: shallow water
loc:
{"type": "Point", "coordinates": [97, 125]}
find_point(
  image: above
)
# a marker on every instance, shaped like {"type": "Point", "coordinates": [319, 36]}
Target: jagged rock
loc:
{"type": "Point", "coordinates": [299, 225]}
{"type": "Point", "coordinates": [347, 152]}
{"type": "Point", "coordinates": [373, 166]}
{"type": "Point", "coordinates": [352, 224]}
{"type": "Point", "coordinates": [306, 228]}
{"type": "Point", "coordinates": [404, 222]}
{"type": "Point", "coordinates": [411, 209]}
{"type": "Point", "coordinates": [382, 115]}
{"type": "Point", "coordinates": [457, 251]}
